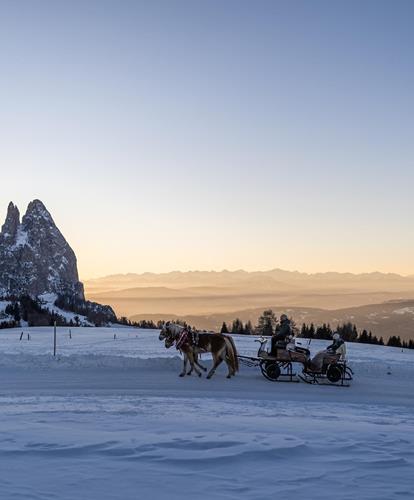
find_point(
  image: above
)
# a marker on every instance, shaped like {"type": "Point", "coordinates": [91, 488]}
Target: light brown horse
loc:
{"type": "Point", "coordinates": [189, 356]}
{"type": "Point", "coordinates": [191, 343]}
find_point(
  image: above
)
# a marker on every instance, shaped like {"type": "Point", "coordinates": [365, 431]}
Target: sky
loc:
{"type": "Point", "coordinates": [177, 135]}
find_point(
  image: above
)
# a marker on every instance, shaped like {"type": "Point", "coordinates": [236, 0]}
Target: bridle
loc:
{"type": "Point", "coordinates": [179, 338]}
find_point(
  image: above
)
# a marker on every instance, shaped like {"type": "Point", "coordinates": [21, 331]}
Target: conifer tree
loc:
{"type": "Point", "coordinates": [394, 341]}
{"type": "Point", "coordinates": [237, 327]}
{"type": "Point", "coordinates": [224, 328]}
{"type": "Point", "coordinates": [267, 323]}
{"type": "Point", "coordinates": [248, 328]}
{"type": "Point", "coordinates": [363, 338]}
{"type": "Point", "coordinates": [311, 331]}
{"type": "Point", "coordinates": [304, 331]}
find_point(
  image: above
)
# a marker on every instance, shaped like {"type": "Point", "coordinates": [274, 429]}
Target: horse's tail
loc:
{"type": "Point", "coordinates": [232, 353]}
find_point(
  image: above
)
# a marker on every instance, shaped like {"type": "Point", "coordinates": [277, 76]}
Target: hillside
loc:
{"type": "Point", "coordinates": [385, 319]}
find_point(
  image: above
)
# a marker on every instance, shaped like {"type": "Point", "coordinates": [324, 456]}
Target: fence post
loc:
{"type": "Point", "coordinates": [54, 339]}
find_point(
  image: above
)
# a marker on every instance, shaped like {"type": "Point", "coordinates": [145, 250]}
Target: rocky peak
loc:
{"type": "Point", "coordinates": [35, 258]}
{"type": "Point", "coordinates": [11, 225]}
{"type": "Point", "coordinates": [35, 211]}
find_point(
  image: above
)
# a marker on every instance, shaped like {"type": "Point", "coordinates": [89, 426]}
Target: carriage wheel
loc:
{"type": "Point", "coordinates": [270, 370]}
{"type": "Point", "coordinates": [334, 373]}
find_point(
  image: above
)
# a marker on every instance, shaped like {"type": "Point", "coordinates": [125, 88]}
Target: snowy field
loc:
{"type": "Point", "coordinates": [109, 418]}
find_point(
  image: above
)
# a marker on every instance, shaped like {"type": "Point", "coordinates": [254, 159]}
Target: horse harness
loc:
{"type": "Point", "coordinates": [186, 339]}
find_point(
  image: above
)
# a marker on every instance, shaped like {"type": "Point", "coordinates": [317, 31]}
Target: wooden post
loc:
{"type": "Point", "coordinates": [54, 339]}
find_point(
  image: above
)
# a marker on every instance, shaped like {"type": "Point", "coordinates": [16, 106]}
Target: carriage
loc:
{"type": "Point", "coordinates": [280, 367]}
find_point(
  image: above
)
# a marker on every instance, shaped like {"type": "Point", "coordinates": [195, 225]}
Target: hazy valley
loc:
{"type": "Point", "coordinates": [383, 303]}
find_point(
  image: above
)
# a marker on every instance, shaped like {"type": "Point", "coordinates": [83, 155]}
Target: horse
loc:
{"type": "Point", "coordinates": [188, 354]}
{"type": "Point", "coordinates": [191, 343]}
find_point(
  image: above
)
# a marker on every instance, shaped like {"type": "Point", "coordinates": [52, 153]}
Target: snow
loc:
{"type": "Point", "coordinates": [5, 318]}
{"type": "Point", "coordinates": [404, 310]}
{"type": "Point", "coordinates": [48, 301]}
{"type": "Point", "coordinates": [21, 238]}
{"type": "Point", "coordinates": [3, 305]}
{"type": "Point", "coordinates": [109, 418]}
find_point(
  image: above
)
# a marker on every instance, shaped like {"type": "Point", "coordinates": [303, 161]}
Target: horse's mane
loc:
{"type": "Point", "coordinates": [176, 328]}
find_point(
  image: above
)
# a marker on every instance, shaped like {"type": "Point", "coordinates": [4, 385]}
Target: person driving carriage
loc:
{"type": "Point", "coordinates": [338, 347]}
{"type": "Point", "coordinates": [282, 332]}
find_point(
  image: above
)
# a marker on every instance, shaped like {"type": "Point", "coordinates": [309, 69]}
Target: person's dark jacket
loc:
{"type": "Point", "coordinates": [284, 330]}
{"type": "Point", "coordinates": [335, 345]}
{"type": "Point", "coordinates": [281, 335]}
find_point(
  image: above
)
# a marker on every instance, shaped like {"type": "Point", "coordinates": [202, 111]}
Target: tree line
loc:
{"type": "Point", "coordinates": [268, 322]}
{"type": "Point", "coordinates": [267, 325]}
{"type": "Point", "coordinates": [145, 324]}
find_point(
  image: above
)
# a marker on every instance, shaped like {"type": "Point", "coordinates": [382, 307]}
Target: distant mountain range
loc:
{"type": "Point", "coordinates": [206, 299]}
{"type": "Point", "coordinates": [275, 279]}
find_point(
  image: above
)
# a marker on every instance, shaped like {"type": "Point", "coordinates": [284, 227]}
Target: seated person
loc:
{"type": "Point", "coordinates": [337, 347]}
{"type": "Point", "coordinates": [281, 335]}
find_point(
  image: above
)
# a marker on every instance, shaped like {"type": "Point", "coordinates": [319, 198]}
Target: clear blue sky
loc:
{"type": "Point", "coordinates": [215, 134]}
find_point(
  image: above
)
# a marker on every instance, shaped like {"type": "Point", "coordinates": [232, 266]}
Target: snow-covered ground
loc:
{"type": "Point", "coordinates": [109, 418]}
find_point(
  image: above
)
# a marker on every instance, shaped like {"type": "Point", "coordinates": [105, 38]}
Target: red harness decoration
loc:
{"type": "Point", "coordinates": [182, 340]}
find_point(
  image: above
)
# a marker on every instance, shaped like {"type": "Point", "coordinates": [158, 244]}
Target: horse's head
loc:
{"type": "Point", "coordinates": [169, 341]}
{"type": "Point", "coordinates": [165, 331]}
{"type": "Point", "coordinates": [170, 333]}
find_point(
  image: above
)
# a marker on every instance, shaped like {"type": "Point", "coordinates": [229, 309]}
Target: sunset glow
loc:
{"type": "Point", "coordinates": [190, 135]}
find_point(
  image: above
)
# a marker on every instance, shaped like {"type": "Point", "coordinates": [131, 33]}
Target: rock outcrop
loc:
{"type": "Point", "coordinates": [39, 274]}
{"type": "Point", "coordinates": [35, 258]}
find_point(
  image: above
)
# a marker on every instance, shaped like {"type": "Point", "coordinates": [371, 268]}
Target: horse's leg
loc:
{"type": "Point", "coordinates": [217, 360]}
{"type": "Point", "coordinates": [196, 356]}
{"type": "Point", "coordinates": [201, 366]}
{"type": "Point", "coordinates": [224, 357]}
{"type": "Point", "coordinates": [191, 357]}
{"type": "Point", "coordinates": [190, 371]}
{"type": "Point", "coordinates": [229, 367]}
{"type": "Point", "coordinates": [227, 359]}
{"type": "Point", "coordinates": [184, 365]}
